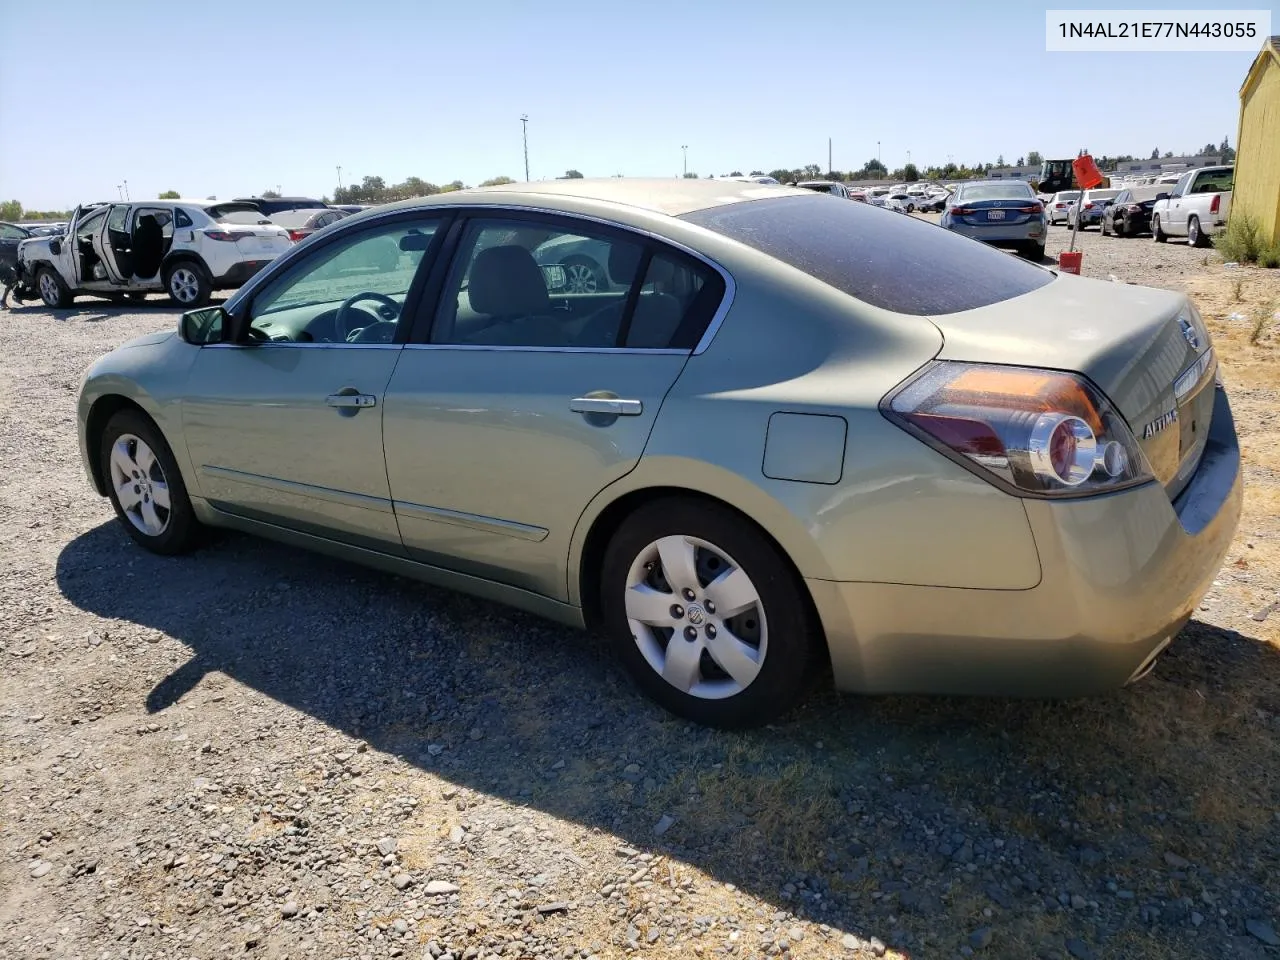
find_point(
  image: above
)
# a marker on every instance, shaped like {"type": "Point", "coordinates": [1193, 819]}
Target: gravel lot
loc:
{"type": "Point", "coordinates": [255, 751]}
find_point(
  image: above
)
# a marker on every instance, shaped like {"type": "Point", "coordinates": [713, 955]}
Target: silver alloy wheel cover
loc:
{"type": "Point", "coordinates": [48, 289]}
{"type": "Point", "coordinates": [729, 595]}
{"type": "Point", "coordinates": [1193, 231]}
{"type": "Point", "coordinates": [140, 485]}
{"type": "Point", "coordinates": [184, 284]}
{"type": "Point", "coordinates": [580, 278]}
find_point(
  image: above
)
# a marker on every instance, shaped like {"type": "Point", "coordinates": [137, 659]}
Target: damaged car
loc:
{"type": "Point", "coordinates": [187, 249]}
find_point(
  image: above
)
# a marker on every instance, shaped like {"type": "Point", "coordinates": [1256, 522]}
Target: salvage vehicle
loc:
{"type": "Point", "coordinates": [127, 250]}
{"type": "Point", "coordinates": [1196, 207]}
{"type": "Point", "coordinates": [11, 234]}
{"type": "Point", "coordinates": [1130, 212]}
{"type": "Point", "coordinates": [795, 434]}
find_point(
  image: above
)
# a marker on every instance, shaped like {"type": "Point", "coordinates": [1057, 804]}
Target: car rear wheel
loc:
{"type": "Point", "coordinates": [187, 283]}
{"type": "Point", "coordinates": [1157, 234]}
{"type": "Point", "coordinates": [707, 616]}
{"type": "Point", "coordinates": [1195, 237]}
{"type": "Point", "coordinates": [145, 485]}
{"type": "Point", "coordinates": [52, 290]}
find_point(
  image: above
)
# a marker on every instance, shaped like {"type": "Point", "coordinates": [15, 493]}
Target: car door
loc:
{"type": "Point", "coordinates": [508, 415]}
{"type": "Point", "coordinates": [114, 245]}
{"type": "Point", "coordinates": [285, 425]}
{"type": "Point", "coordinates": [10, 236]}
{"type": "Point", "coordinates": [1177, 207]}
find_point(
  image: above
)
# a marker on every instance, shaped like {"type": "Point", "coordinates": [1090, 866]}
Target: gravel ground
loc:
{"type": "Point", "coordinates": [257, 751]}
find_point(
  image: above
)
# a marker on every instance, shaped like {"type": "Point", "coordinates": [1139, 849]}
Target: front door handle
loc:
{"type": "Point", "coordinates": [351, 400]}
{"type": "Point", "coordinates": [612, 406]}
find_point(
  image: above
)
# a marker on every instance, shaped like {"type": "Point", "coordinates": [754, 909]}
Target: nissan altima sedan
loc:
{"type": "Point", "coordinates": [790, 434]}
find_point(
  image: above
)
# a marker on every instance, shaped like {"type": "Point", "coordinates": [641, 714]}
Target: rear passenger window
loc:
{"type": "Point", "coordinates": [181, 218]}
{"type": "Point", "coordinates": [671, 310]}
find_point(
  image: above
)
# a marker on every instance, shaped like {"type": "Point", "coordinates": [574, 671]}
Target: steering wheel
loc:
{"type": "Point", "coordinates": [389, 310]}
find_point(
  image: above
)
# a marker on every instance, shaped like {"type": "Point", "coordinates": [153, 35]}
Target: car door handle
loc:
{"type": "Point", "coordinates": [610, 405]}
{"type": "Point", "coordinates": [351, 400]}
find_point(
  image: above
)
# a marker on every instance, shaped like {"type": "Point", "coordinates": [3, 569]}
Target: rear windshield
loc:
{"type": "Point", "coordinates": [996, 191]}
{"type": "Point", "coordinates": [242, 216]}
{"type": "Point", "coordinates": [292, 218]}
{"type": "Point", "coordinates": [883, 258]}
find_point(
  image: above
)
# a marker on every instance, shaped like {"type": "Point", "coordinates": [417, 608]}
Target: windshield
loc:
{"type": "Point", "coordinates": [880, 257]}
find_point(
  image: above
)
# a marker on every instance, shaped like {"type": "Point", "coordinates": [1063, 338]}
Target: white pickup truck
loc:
{"type": "Point", "coordinates": [1196, 207]}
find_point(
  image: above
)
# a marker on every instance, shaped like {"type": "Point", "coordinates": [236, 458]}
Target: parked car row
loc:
{"type": "Point", "coordinates": [1195, 207]}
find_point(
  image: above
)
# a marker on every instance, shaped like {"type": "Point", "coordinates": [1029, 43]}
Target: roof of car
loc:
{"type": "Point", "coordinates": [670, 196]}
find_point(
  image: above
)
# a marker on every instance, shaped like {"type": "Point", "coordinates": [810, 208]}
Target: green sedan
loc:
{"type": "Point", "coordinates": [791, 434]}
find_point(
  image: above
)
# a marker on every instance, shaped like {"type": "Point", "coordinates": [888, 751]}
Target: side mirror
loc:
{"type": "Point", "coordinates": [204, 326]}
{"type": "Point", "coordinates": [1162, 196]}
{"type": "Point", "coordinates": [55, 246]}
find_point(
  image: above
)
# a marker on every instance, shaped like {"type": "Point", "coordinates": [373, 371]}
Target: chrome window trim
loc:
{"type": "Point", "coordinates": [506, 348]}
{"type": "Point", "coordinates": [708, 335]}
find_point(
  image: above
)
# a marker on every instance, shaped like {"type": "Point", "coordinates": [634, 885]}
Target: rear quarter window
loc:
{"type": "Point", "coordinates": [880, 257]}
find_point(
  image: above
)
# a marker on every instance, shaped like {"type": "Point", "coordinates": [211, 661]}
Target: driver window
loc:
{"type": "Point", "coordinates": [349, 291]}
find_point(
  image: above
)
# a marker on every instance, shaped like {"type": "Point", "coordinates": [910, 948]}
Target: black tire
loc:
{"type": "Point", "coordinates": [53, 292]}
{"type": "Point", "coordinates": [790, 633]}
{"type": "Point", "coordinates": [1120, 227]}
{"type": "Point", "coordinates": [181, 531]}
{"type": "Point", "coordinates": [1158, 235]}
{"type": "Point", "coordinates": [1195, 236]}
{"type": "Point", "coordinates": [576, 270]}
{"type": "Point", "coordinates": [1033, 252]}
{"type": "Point", "coordinates": [188, 283]}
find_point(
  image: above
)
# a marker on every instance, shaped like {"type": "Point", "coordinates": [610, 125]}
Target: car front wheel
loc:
{"type": "Point", "coordinates": [187, 283]}
{"type": "Point", "coordinates": [145, 485]}
{"type": "Point", "coordinates": [53, 291]}
{"type": "Point", "coordinates": [1158, 235]}
{"type": "Point", "coordinates": [708, 617]}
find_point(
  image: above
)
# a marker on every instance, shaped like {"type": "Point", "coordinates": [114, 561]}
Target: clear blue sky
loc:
{"type": "Point", "coordinates": [233, 97]}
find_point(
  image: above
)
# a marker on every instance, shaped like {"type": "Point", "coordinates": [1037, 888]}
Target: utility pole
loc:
{"type": "Point", "coordinates": [684, 147]}
{"type": "Point", "coordinates": [339, 176]}
{"type": "Point", "coordinates": [524, 119]}
{"type": "Point", "coordinates": [126, 190]}
{"type": "Point", "coordinates": [877, 151]}
{"type": "Point", "coordinates": [829, 167]}
{"type": "Point", "coordinates": [120, 191]}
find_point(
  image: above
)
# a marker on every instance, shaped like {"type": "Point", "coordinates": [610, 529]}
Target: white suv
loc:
{"type": "Point", "coordinates": [186, 248]}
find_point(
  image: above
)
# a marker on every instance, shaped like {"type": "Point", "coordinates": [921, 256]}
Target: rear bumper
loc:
{"type": "Point", "coordinates": [1122, 574]}
{"type": "Point", "coordinates": [240, 273]}
{"type": "Point", "coordinates": [1032, 231]}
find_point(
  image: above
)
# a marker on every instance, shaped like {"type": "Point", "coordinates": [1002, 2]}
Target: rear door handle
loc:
{"type": "Point", "coordinates": [609, 405]}
{"type": "Point", "coordinates": [351, 400]}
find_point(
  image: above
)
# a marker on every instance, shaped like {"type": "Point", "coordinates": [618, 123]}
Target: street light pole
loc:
{"type": "Point", "coordinates": [126, 189]}
{"type": "Point", "coordinates": [524, 121]}
{"type": "Point", "coordinates": [684, 148]}
{"type": "Point", "coordinates": [339, 176]}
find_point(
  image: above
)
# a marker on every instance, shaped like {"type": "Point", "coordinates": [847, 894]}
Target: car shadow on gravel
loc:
{"type": "Point", "coordinates": [1138, 823]}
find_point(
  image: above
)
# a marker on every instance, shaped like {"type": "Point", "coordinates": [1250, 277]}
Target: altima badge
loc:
{"type": "Point", "coordinates": [1159, 423]}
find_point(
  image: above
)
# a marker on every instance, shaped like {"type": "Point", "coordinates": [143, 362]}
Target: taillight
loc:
{"type": "Point", "coordinates": [962, 211]}
{"type": "Point", "coordinates": [1135, 208]}
{"type": "Point", "coordinates": [226, 236]}
{"type": "Point", "coordinates": [1034, 208]}
{"type": "Point", "coordinates": [1032, 432]}
{"type": "Point", "coordinates": [296, 235]}
{"type": "Point", "coordinates": [1089, 206]}
{"type": "Point", "coordinates": [1215, 203]}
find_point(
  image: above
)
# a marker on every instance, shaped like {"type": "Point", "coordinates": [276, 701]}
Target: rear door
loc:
{"type": "Point", "coordinates": [505, 418]}
{"type": "Point", "coordinates": [114, 245]}
{"type": "Point", "coordinates": [10, 237]}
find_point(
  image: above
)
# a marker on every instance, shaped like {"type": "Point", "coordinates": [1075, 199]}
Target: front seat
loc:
{"type": "Point", "coordinates": [507, 284]}
{"type": "Point", "coordinates": [657, 314]}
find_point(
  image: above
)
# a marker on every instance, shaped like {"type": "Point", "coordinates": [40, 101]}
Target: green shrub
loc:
{"type": "Point", "coordinates": [1241, 241]}
{"type": "Point", "coordinates": [1270, 258]}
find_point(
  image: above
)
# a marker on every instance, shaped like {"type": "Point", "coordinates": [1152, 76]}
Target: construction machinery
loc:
{"type": "Point", "coordinates": [1056, 175]}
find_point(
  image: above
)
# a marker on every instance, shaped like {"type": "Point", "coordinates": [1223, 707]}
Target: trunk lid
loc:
{"type": "Point", "coordinates": [1005, 212]}
{"type": "Point", "coordinates": [1147, 349]}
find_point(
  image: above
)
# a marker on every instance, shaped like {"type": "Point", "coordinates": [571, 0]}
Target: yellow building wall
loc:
{"type": "Point", "coordinates": [1257, 180]}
